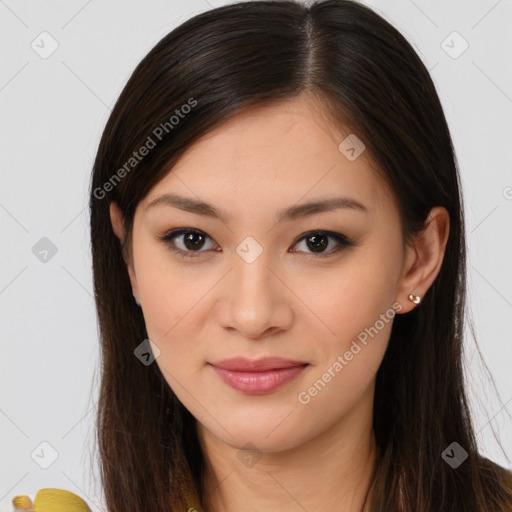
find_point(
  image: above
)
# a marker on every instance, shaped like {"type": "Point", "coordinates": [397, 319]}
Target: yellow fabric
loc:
{"type": "Point", "coordinates": [51, 500]}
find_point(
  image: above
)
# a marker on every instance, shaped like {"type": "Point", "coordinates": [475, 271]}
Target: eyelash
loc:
{"type": "Point", "coordinates": [342, 240]}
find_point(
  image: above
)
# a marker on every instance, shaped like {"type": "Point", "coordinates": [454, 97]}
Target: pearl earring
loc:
{"type": "Point", "coordinates": [414, 298]}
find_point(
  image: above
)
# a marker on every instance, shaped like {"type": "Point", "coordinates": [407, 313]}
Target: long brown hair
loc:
{"type": "Point", "coordinates": [210, 68]}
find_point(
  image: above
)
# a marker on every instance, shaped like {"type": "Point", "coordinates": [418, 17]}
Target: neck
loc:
{"type": "Point", "coordinates": [332, 471]}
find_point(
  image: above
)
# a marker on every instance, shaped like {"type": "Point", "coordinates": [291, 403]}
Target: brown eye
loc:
{"type": "Point", "coordinates": [318, 241]}
{"type": "Point", "coordinates": [189, 242]}
{"type": "Point", "coordinates": [192, 241]}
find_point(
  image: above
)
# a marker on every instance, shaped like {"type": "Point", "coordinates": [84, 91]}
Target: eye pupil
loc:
{"type": "Point", "coordinates": [194, 240]}
{"type": "Point", "coordinates": [190, 238]}
{"type": "Point", "coordinates": [321, 242]}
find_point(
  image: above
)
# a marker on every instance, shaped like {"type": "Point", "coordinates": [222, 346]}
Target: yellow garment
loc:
{"type": "Point", "coordinates": [51, 500]}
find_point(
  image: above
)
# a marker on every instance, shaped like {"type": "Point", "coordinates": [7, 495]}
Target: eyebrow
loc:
{"type": "Point", "coordinates": [191, 205]}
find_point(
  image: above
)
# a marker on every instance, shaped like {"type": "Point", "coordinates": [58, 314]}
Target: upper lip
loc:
{"type": "Point", "coordinates": [243, 364]}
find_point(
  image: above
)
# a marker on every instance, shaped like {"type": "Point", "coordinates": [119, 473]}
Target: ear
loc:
{"type": "Point", "coordinates": [117, 220]}
{"type": "Point", "coordinates": [424, 258]}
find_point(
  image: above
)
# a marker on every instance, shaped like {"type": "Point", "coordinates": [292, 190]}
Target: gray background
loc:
{"type": "Point", "coordinates": [53, 110]}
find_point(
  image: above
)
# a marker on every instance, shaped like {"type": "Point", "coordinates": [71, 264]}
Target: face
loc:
{"type": "Point", "coordinates": [319, 287]}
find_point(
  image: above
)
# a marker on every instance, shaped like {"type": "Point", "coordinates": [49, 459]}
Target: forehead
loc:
{"type": "Point", "coordinates": [279, 154]}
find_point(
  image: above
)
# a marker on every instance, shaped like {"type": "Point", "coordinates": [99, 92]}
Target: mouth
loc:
{"type": "Point", "coordinates": [258, 376]}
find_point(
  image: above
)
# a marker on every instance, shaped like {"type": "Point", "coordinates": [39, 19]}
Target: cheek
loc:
{"type": "Point", "coordinates": [357, 308]}
{"type": "Point", "coordinates": [346, 367]}
{"type": "Point", "coordinates": [167, 292]}
{"type": "Point", "coordinates": [354, 297]}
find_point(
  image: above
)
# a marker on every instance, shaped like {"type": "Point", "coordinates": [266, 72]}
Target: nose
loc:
{"type": "Point", "coordinates": [255, 300]}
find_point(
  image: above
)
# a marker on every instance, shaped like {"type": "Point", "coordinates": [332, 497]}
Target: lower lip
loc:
{"type": "Point", "coordinates": [258, 382]}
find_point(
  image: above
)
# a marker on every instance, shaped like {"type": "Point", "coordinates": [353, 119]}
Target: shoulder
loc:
{"type": "Point", "coordinates": [498, 478]}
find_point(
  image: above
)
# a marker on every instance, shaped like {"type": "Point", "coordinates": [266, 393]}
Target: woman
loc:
{"type": "Point", "coordinates": [279, 266]}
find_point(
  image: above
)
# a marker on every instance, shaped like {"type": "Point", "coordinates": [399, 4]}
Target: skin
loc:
{"type": "Point", "coordinates": [288, 302]}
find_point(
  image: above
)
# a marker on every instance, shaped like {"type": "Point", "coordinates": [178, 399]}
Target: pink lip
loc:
{"type": "Point", "coordinates": [258, 376]}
